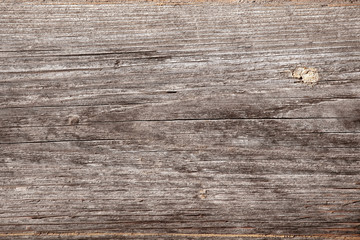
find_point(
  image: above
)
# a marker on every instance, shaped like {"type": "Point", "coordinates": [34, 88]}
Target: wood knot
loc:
{"type": "Point", "coordinates": [73, 120]}
{"type": "Point", "coordinates": [309, 76]}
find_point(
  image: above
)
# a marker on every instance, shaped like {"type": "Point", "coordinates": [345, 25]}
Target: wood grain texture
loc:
{"type": "Point", "coordinates": [146, 121]}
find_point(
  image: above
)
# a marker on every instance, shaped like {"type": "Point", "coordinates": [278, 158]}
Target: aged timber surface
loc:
{"type": "Point", "coordinates": [135, 120]}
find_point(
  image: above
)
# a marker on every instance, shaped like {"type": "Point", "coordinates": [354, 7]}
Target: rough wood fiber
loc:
{"type": "Point", "coordinates": [145, 121]}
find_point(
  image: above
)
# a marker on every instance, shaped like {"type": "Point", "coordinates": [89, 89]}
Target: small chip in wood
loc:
{"type": "Point", "coordinates": [202, 194]}
{"type": "Point", "coordinates": [307, 75]}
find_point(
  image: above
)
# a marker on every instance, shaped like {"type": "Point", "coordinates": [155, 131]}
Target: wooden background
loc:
{"type": "Point", "coordinates": [138, 120]}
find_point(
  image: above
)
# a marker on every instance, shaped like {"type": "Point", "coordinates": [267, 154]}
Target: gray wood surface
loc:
{"type": "Point", "coordinates": [178, 121]}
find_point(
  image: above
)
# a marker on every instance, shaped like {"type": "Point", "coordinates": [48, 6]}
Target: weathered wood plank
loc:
{"type": "Point", "coordinates": [139, 120]}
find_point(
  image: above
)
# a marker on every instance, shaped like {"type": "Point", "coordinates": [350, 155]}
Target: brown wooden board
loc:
{"type": "Point", "coordinates": [174, 120]}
